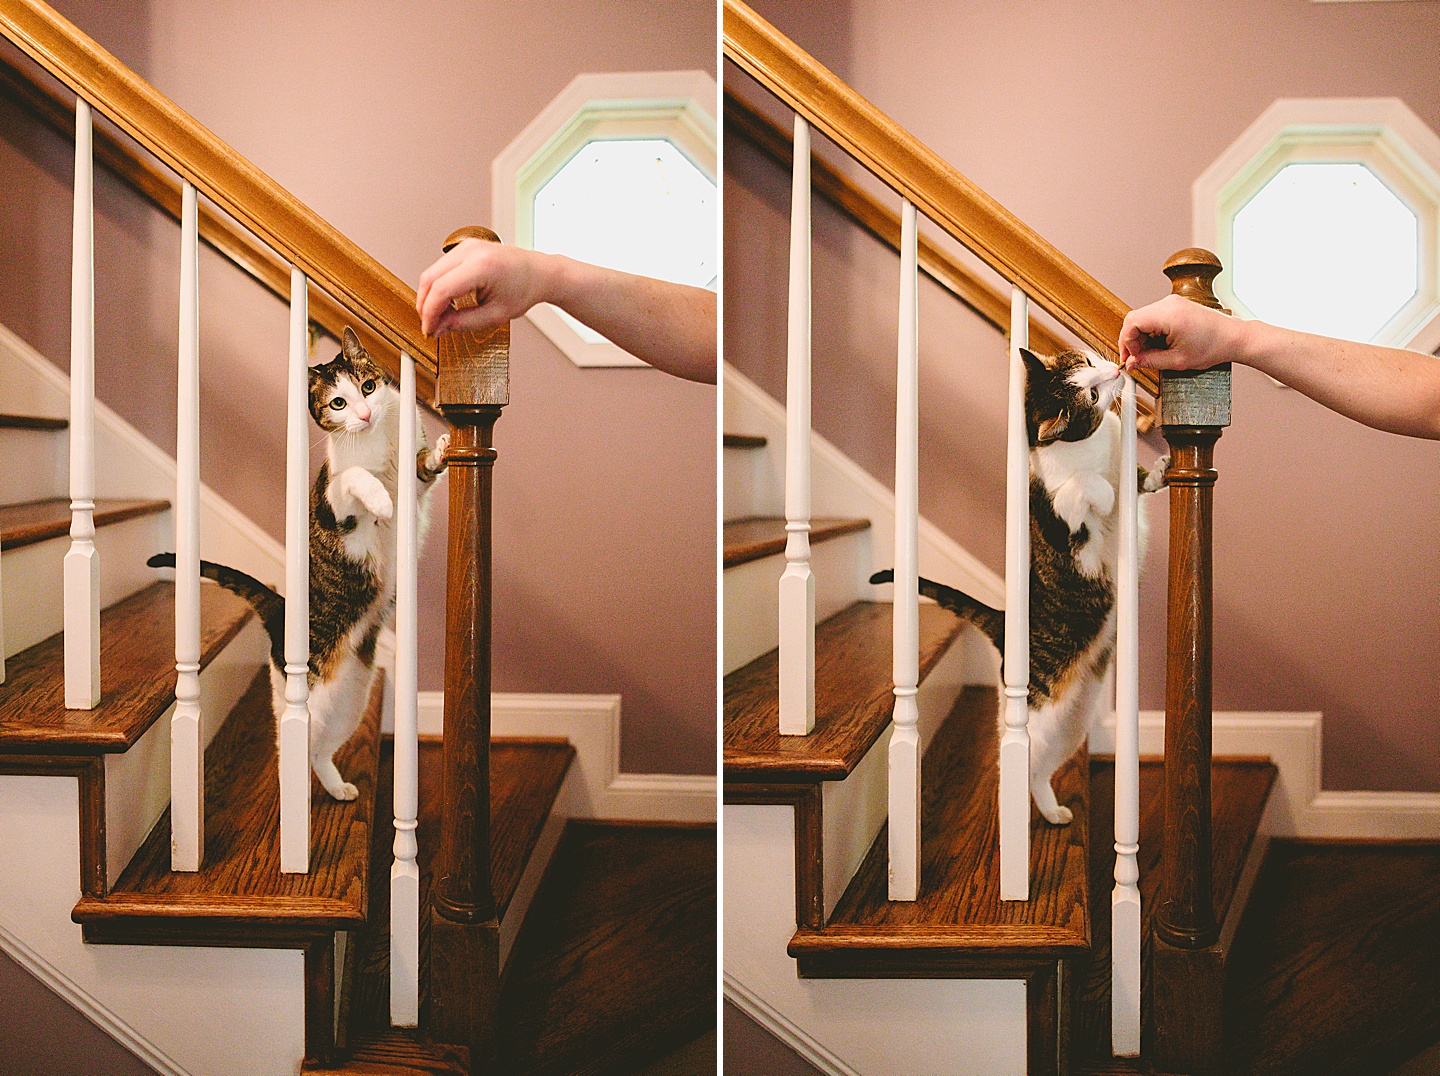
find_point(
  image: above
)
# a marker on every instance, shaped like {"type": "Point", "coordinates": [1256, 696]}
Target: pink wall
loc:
{"type": "Point", "coordinates": [1091, 122]}
{"type": "Point", "coordinates": [385, 119]}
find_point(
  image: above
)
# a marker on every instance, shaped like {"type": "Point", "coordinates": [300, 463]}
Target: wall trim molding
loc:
{"type": "Point", "coordinates": [142, 468]}
{"type": "Point", "coordinates": [791, 1034]}
{"type": "Point", "coordinates": [840, 486]}
{"type": "Point", "coordinates": [597, 786]}
{"type": "Point", "coordinates": [1298, 807]}
{"type": "Point", "coordinates": [88, 1006]}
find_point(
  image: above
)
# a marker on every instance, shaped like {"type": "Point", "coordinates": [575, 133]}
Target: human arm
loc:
{"type": "Point", "coordinates": [670, 326]}
{"type": "Point", "coordinates": [1388, 388]}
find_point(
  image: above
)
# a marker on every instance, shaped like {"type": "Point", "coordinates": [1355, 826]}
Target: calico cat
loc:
{"type": "Point", "coordinates": [1074, 522]}
{"type": "Point", "coordinates": [352, 551]}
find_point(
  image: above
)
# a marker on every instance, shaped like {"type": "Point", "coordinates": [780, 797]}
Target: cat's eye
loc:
{"type": "Point", "coordinates": [1094, 395]}
{"type": "Point", "coordinates": [338, 404]}
{"type": "Point", "coordinates": [368, 387]}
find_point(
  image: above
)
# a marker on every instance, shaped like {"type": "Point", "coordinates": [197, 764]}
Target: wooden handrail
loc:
{"type": "Point", "coordinates": [38, 96]}
{"type": "Point", "coordinates": [378, 298]}
{"type": "Point", "coordinates": [915, 172]}
{"type": "Point", "coordinates": [862, 208]}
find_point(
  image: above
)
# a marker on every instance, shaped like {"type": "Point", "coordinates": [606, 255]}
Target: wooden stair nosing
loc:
{"type": "Point", "coordinates": [854, 698]}
{"type": "Point", "coordinates": [959, 927]}
{"type": "Point", "coordinates": [744, 440]}
{"type": "Point", "coordinates": [32, 422]}
{"type": "Point", "coordinates": [137, 661]}
{"type": "Point", "coordinates": [39, 521]}
{"type": "Point", "coordinates": [239, 897]}
{"type": "Point", "coordinates": [757, 537]}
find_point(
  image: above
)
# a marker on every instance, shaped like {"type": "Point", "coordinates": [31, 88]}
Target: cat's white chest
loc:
{"type": "Point", "coordinates": [1081, 478]}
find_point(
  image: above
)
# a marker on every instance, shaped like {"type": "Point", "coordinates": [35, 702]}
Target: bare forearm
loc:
{"type": "Point", "coordinates": [670, 326]}
{"type": "Point", "coordinates": [1387, 388]}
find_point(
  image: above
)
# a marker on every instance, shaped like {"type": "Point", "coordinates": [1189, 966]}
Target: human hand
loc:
{"type": "Point", "coordinates": [1177, 334]}
{"type": "Point", "coordinates": [506, 282]}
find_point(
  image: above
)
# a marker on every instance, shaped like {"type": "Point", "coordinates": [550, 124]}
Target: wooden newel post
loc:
{"type": "Point", "coordinates": [1188, 968]}
{"type": "Point", "coordinates": [464, 986]}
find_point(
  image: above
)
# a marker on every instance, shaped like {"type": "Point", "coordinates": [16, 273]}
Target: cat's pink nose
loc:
{"type": "Point", "coordinates": [362, 413]}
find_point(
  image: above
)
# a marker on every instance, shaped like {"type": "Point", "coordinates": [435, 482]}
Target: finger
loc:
{"type": "Point", "coordinates": [442, 290]}
{"type": "Point", "coordinates": [438, 268]}
{"type": "Point", "coordinates": [473, 319]}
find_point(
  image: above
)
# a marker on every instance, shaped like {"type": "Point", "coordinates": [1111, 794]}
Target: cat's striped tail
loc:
{"type": "Point", "coordinates": [990, 621]}
{"type": "Point", "coordinates": [268, 605]}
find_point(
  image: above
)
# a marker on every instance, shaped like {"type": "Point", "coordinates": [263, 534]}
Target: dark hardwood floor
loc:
{"type": "Point", "coordinates": [1336, 967]}
{"type": "Point", "coordinates": [615, 966]}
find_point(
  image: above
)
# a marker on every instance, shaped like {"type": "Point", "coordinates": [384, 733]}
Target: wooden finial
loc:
{"type": "Point", "coordinates": [1192, 273]}
{"type": "Point", "coordinates": [476, 231]}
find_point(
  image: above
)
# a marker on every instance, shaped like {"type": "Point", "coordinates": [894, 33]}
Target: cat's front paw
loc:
{"type": "Point", "coordinates": [436, 462]}
{"type": "Point", "coordinates": [345, 792]}
{"type": "Point", "coordinates": [1059, 816]}
{"type": "Point", "coordinates": [377, 502]}
{"type": "Point", "coordinates": [1156, 478]}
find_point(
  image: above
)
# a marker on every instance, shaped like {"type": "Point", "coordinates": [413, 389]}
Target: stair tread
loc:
{"type": "Point", "coordinates": [31, 422]}
{"type": "Point", "coordinates": [1239, 789]}
{"type": "Point", "coordinates": [39, 521]}
{"type": "Point", "coordinates": [137, 679]}
{"type": "Point", "coordinates": [764, 536]}
{"type": "Point", "coordinates": [397, 1051]}
{"type": "Point", "coordinates": [526, 776]}
{"type": "Point", "coordinates": [744, 440]}
{"type": "Point", "coordinates": [240, 883]}
{"type": "Point", "coordinates": [959, 910]}
{"type": "Point", "coordinates": [854, 697]}
{"type": "Point", "coordinates": [615, 965]}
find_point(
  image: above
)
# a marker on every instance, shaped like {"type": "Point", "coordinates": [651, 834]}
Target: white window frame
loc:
{"type": "Point", "coordinates": [1379, 132]}
{"type": "Point", "coordinates": [679, 106]}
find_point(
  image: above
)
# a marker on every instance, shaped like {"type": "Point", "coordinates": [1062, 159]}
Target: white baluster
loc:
{"type": "Point", "coordinates": [82, 562]}
{"type": "Point", "coordinates": [1015, 742]}
{"type": "Point", "coordinates": [905, 740]}
{"type": "Point", "coordinates": [1125, 900]}
{"type": "Point", "coordinates": [187, 725]}
{"type": "Point", "coordinates": [797, 584]}
{"type": "Point", "coordinates": [295, 721]}
{"type": "Point", "coordinates": [405, 872]}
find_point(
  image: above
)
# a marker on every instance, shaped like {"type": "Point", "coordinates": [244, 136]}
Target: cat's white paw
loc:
{"type": "Point", "coordinates": [436, 462]}
{"type": "Point", "coordinates": [1156, 478]}
{"type": "Point", "coordinates": [377, 502]}
{"type": "Point", "coordinates": [1060, 816]}
{"type": "Point", "coordinates": [345, 792]}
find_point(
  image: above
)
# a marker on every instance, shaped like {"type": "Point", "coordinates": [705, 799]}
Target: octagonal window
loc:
{"type": "Point", "coordinates": [636, 205]}
{"type": "Point", "coordinates": [619, 171]}
{"type": "Point", "coordinates": [1340, 216]}
{"type": "Point", "coordinates": [1326, 216]}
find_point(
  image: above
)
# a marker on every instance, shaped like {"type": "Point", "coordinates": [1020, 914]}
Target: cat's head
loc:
{"type": "Point", "coordinates": [350, 394]}
{"type": "Point", "coordinates": [1066, 397]}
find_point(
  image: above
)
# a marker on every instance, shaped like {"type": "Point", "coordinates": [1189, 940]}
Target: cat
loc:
{"type": "Point", "coordinates": [1074, 530]}
{"type": "Point", "coordinates": [352, 550]}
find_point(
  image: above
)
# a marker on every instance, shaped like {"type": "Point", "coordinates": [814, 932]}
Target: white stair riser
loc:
{"type": "Point", "coordinates": [249, 1002]}
{"type": "Point", "coordinates": [878, 1027]}
{"type": "Point", "coordinates": [751, 488]}
{"type": "Point", "coordinates": [35, 465]}
{"type": "Point", "coordinates": [33, 576]}
{"type": "Point", "coordinates": [841, 567]}
{"type": "Point", "coordinates": [854, 809]}
{"type": "Point", "coordinates": [137, 782]}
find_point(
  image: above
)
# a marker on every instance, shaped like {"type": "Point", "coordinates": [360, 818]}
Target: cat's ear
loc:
{"type": "Point", "coordinates": [350, 344]}
{"type": "Point", "coordinates": [1034, 364]}
{"type": "Point", "coordinates": [1050, 429]}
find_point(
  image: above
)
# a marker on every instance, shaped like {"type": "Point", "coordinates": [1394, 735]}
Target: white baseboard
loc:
{"type": "Point", "coordinates": [1299, 807]}
{"type": "Point", "coordinates": [92, 1010]}
{"type": "Point", "coordinates": [598, 789]}
{"type": "Point", "coordinates": [128, 464]}
{"type": "Point", "coordinates": [775, 1022]}
{"type": "Point", "coordinates": [841, 487]}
